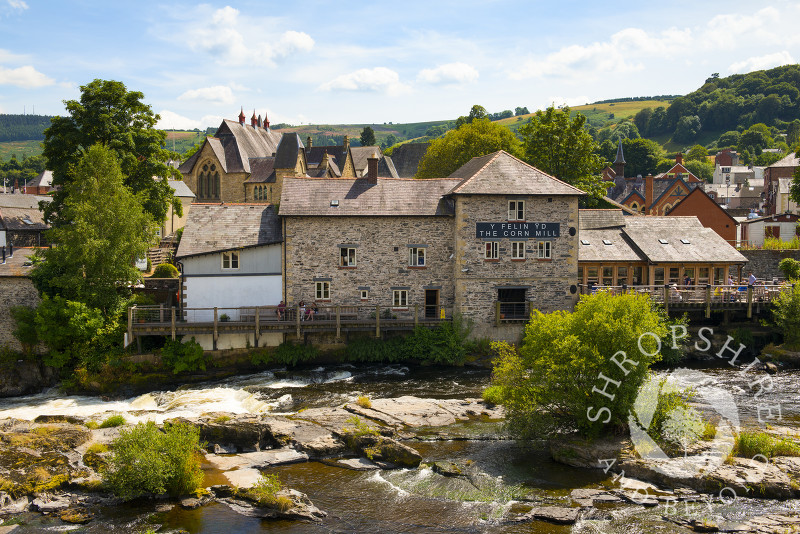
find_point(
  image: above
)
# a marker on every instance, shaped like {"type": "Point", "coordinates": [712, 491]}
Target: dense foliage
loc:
{"type": "Point", "coordinates": [786, 314]}
{"type": "Point", "coordinates": [147, 460]}
{"type": "Point", "coordinates": [184, 356]}
{"type": "Point", "coordinates": [553, 383]}
{"type": "Point", "coordinates": [23, 127]}
{"type": "Point", "coordinates": [165, 270]}
{"type": "Point", "coordinates": [472, 139]}
{"type": "Point", "coordinates": [18, 172]}
{"type": "Point", "coordinates": [110, 115]}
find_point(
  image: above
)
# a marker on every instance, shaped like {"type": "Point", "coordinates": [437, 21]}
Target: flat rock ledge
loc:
{"type": "Point", "coordinates": [297, 505]}
{"type": "Point", "coordinates": [578, 452]}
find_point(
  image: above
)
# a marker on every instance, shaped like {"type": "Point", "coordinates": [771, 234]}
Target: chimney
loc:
{"type": "Point", "coordinates": [679, 158]}
{"type": "Point", "coordinates": [309, 143]}
{"type": "Point", "coordinates": [241, 116]}
{"type": "Point", "coordinates": [346, 143]}
{"type": "Point", "coordinates": [253, 120]}
{"type": "Point", "coordinates": [372, 170]}
{"type": "Point", "coordinates": [648, 193]}
{"type": "Point", "coordinates": [266, 121]}
{"type": "Point", "coordinates": [259, 121]}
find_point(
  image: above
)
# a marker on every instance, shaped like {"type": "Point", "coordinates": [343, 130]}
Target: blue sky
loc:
{"type": "Point", "coordinates": [375, 62]}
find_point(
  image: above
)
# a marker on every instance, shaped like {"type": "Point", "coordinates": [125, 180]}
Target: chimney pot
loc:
{"type": "Point", "coordinates": [372, 170]}
{"type": "Point", "coordinates": [346, 142]}
{"type": "Point", "coordinates": [679, 158]}
{"type": "Point", "coordinates": [266, 121]}
{"type": "Point", "coordinates": [253, 119]}
{"type": "Point", "coordinates": [309, 142]}
{"type": "Point", "coordinates": [259, 121]}
{"type": "Point", "coordinates": [241, 116]}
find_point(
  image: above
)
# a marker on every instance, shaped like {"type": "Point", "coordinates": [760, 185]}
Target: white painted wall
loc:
{"type": "Point", "coordinates": [230, 292]}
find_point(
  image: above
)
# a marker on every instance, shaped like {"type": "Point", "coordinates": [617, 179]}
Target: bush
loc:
{"type": "Point", "coordinates": [287, 353]}
{"type": "Point", "coordinates": [25, 332]}
{"type": "Point", "coordinates": [180, 357]}
{"type": "Point", "coordinates": [147, 460]}
{"type": "Point", "coordinates": [790, 268]}
{"type": "Point", "coordinates": [165, 270]}
{"type": "Point", "coordinates": [551, 385]}
{"type": "Point", "coordinates": [113, 421]}
{"type": "Point", "coordinates": [786, 314]}
{"type": "Point", "coordinates": [751, 444]}
{"type": "Point", "coordinates": [364, 402]}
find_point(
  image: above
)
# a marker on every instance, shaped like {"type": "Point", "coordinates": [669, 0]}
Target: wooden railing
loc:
{"type": "Point", "coordinates": [162, 320]}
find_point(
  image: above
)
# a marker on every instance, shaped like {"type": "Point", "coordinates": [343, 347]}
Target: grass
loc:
{"type": "Point", "coordinates": [265, 492]}
{"type": "Point", "coordinates": [113, 421]}
{"type": "Point", "coordinates": [364, 402]}
{"type": "Point", "coordinates": [221, 419]}
{"type": "Point", "coordinates": [752, 444]}
{"type": "Point", "coordinates": [97, 448]}
{"type": "Point", "coordinates": [20, 148]}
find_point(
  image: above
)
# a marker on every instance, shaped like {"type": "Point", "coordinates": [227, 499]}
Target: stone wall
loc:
{"type": "Point", "coordinates": [14, 291]}
{"type": "Point", "coordinates": [548, 282]}
{"type": "Point", "coordinates": [764, 263]}
{"type": "Point", "coordinates": [382, 258]}
{"type": "Point", "coordinates": [231, 185]}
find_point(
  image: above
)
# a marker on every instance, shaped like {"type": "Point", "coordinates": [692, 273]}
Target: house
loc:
{"type": "Point", "coordinates": [783, 168]}
{"type": "Point", "coordinates": [741, 197]}
{"type": "Point", "coordinates": [734, 174]}
{"type": "Point", "coordinates": [41, 185]}
{"type": "Point", "coordinates": [726, 158]}
{"type": "Point", "coordinates": [781, 226]}
{"type": "Point", "coordinates": [699, 204]}
{"type": "Point", "coordinates": [21, 222]}
{"type": "Point", "coordinates": [230, 257]}
{"type": "Point", "coordinates": [173, 222]}
{"type": "Point", "coordinates": [679, 171]}
{"type": "Point", "coordinates": [497, 232]}
{"type": "Point", "coordinates": [617, 250]}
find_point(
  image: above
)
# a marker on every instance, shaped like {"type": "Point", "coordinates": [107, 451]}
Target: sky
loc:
{"type": "Point", "coordinates": [374, 62]}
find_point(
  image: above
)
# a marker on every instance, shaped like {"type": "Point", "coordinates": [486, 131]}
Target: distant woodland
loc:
{"type": "Point", "coordinates": [23, 127]}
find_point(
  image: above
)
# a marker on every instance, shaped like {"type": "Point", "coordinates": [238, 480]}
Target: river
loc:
{"type": "Point", "coordinates": [513, 476]}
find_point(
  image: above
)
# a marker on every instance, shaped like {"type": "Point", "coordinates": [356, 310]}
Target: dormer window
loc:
{"type": "Point", "coordinates": [516, 210]}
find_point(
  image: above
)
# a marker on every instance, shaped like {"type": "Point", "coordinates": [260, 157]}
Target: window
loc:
{"type": "Point", "coordinates": [322, 291]}
{"type": "Point", "coordinates": [608, 276]}
{"type": "Point", "coordinates": [543, 250]}
{"type": "Point", "coordinates": [208, 181]}
{"type": "Point", "coordinates": [492, 250]}
{"type": "Point", "coordinates": [348, 257]}
{"type": "Point", "coordinates": [365, 294]}
{"type": "Point", "coordinates": [622, 275]}
{"type": "Point", "coordinates": [230, 260]}
{"type": "Point", "coordinates": [516, 210]}
{"type": "Point", "coordinates": [658, 276]}
{"type": "Point", "coordinates": [400, 298]}
{"type": "Point", "coordinates": [416, 257]}
{"type": "Point", "coordinates": [518, 250]}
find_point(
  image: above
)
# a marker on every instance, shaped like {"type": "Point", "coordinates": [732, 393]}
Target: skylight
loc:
{"type": "Point", "coordinates": [686, 242]}
{"type": "Point", "coordinates": [606, 242]}
{"type": "Point", "coordinates": [334, 203]}
{"type": "Point", "coordinates": [584, 242]}
{"type": "Point", "coordinates": [663, 241]}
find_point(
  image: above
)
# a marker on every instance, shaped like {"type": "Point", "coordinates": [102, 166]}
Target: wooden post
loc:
{"type": "Point", "coordinates": [130, 323]}
{"type": "Point", "coordinates": [416, 316]}
{"type": "Point", "coordinates": [749, 301]}
{"type": "Point", "coordinates": [666, 298]}
{"type": "Point", "coordinates": [258, 326]}
{"type": "Point", "coordinates": [161, 312]}
{"type": "Point", "coordinates": [377, 321]}
{"type": "Point", "coordinates": [497, 313]}
{"type": "Point", "coordinates": [216, 324]}
{"type": "Point", "coordinates": [338, 322]}
{"type": "Point", "coordinates": [708, 301]}
{"type": "Point", "coordinates": [297, 319]}
{"type": "Point", "coordinates": [172, 320]}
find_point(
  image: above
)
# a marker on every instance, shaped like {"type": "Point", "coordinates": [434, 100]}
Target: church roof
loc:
{"type": "Point", "coordinates": [620, 157]}
{"type": "Point", "coordinates": [262, 170]}
{"type": "Point", "coordinates": [287, 151]}
{"type": "Point", "coordinates": [500, 173]}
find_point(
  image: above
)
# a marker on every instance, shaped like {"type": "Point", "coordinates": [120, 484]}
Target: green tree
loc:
{"type": "Point", "coordinates": [687, 129]}
{"type": "Point", "coordinates": [793, 132]}
{"type": "Point", "coordinates": [794, 188]}
{"type": "Point", "coordinates": [367, 136]}
{"type": "Point", "coordinates": [521, 111]}
{"type": "Point", "coordinates": [702, 169]}
{"type": "Point", "coordinates": [641, 156]}
{"type": "Point", "coordinates": [642, 119]}
{"type": "Point", "coordinates": [456, 147]}
{"type": "Point", "coordinates": [786, 314]}
{"type": "Point", "coordinates": [560, 146]}
{"type": "Point", "coordinates": [728, 140]}
{"type": "Point", "coordinates": [476, 112]}
{"type": "Point", "coordinates": [110, 115]}
{"type": "Point", "coordinates": [550, 386]}
{"type": "Point", "coordinates": [697, 153]}
{"type": "Point", "coordinates": [92, 260]}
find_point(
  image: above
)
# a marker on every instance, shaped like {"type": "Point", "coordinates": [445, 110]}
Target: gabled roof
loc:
{"type": "Point", "coordinates": [679, 169]}
{"type": "Point", "coordinates": [670, 186]}
{"type": "Point", "coordinates": [358, 197]}
{"type": "Point", "coordinates": [22, 219]}
{"type": "Point", "coordinates": [778, 217]}
{"type": "Point", "coordinates": [406, 158]}
{"type": "Point", "coordinates": [791, 160]}
{"type": "Point", "coordinates": [593, 246]}
{"type": "Point", "coordinates": [698, 192]}
{"type": "Point", "coordinates": [19, 200]}
{"type": "Point", "coordinates": [235, 144]}
{"type": "Point", "coordinates": [288, 151]}
{"type": "Point", "coordinates": [315, 154]}
{"type": "Point", "coordinates": [500, 173]}
{"type": "Point", "coordinates": [262, 170]}
{"type": "Point", "coordinates": [181, 189]}
{"type": "Point", "coordinates": [593, 219]}
{"type": "Point", "coordinates": [386, 168]}
{"type": "Point", "coordinates": [45, 179]}
{"type": "Point", "coordinates": [361, 154]}
{"type": "Point", "coordinates": [218, 227]}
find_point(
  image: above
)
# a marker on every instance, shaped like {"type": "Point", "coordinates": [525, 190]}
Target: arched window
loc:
{"type": "Point", "coordinates": [270, 193]}
{"type": "Point", "coordinates": [260, 194]}
{"type": "Point", "coordinates": [635, 206]}
{"type": "Point", "coordinates": [208, 181]}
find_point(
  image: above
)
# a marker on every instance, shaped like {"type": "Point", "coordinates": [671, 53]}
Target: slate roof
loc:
{"type": "Point", "coordinates": [19, 200]}
{"type": "Point", "coordinates": [406, 158]}
{"type": "Point", "coordinates": [181, 189]}
{"type": "Point", "coordinates": [315, 154]}
{"type": "Point", "coordinates": [386, 168]}
{"type": "Point", "coordinates": [637, 239]}
{"type": "Point", "coordinates": [235, 145]}
{"type": "Point", "coordinates": [357, 197]}
{"type": "Point", "coordinates": [30, 219]}
{"type": "Point", "coordinates": [784, 217]}
{"type": "Point", "coordinates": [705, 245]}
{"type": "Point", "coordinates": [288, 151]}
{"type": "Point", "coordinates": [592, 247]}
{"type": "Point", "coordinates": [360, 156]}
{"type": "Point", "coordinates": [262, 170]}
{"type": "Point", "coordinates": [500, 173]}
{"type": "Point", "coordinates": [792, 160]}
{"type": "Point", "coordinates": [218, 227]}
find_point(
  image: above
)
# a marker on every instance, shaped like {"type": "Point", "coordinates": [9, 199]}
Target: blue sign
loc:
{"type": "Point", "coordinates": [518, 230]}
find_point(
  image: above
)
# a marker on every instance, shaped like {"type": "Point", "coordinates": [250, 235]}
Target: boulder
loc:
{"type": "Point", "coordinates": [241, 433]}
{"type": "Point", "coordinates": [356, 464]}
{"type": "Point", "coordinates": [559, 515]}
{"type": "Point", "coordinates": [76, 516]}
{"type": "Point", "coordinates": [288, 504]}
{"type": "Point", "coordinates": [25, 377]}
{"type": "Point", "coordinates": [10, 505]}
{"type": "Point", "coordinates": [587, 454]}
{"type": "Point", "coordinates": [417, 412]}
{"type": "Point", "coordinates": [47, 503]}
{"type": "Point", "coordinates": [382, 449]}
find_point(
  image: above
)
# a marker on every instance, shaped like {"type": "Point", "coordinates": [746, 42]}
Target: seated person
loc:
{"type": "Point", "coordinates": [280, 311]}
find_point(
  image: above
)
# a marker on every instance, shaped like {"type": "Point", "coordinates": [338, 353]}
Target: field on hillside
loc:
{"type": "Point", "coordinates": [598, 115]}
{"type": "Point", "coordinates": [20, 148]}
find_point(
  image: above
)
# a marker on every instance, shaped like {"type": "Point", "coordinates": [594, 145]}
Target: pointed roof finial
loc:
{"type": "Point", "coordinates": [241, 116]}
{"type": "Point", "coordinates": [266, 121]}
{"type": "Point", "coordinates": [620, 157]}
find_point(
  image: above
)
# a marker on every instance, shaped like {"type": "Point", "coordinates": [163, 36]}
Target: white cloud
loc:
{"type": "Point", "coordinates": [378, 79]}
{"type": "Point", "coordinates": [218, 93]}
{"type": "Point", "coordinates": [171, 120]}
{"type": "Point", "coordinates": [449, 73]}
{"type": "Point", "coordinates": [561, 101]}
{"type": "Point", "coordinates": [25, 76]}
{"type": "Point", "coordinates": [19, 5]}
{"type": "Point", "coordinates": [762, 62]}
{"type": "Point", "coordinates": [237, 42]}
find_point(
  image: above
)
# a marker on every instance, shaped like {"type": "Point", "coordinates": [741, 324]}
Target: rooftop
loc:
{"type": "Point", "coordinates": [217, 227]}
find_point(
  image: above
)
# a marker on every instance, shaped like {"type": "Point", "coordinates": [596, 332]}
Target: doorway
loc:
{"type": "Point", "coordinates": [431, 303]}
